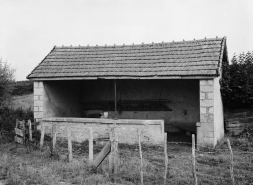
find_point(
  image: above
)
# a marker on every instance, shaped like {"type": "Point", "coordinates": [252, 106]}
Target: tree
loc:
{"type": "Point", "coordinates": [237, 82]}
{"type": "Point", "coordinates": [6, 78]}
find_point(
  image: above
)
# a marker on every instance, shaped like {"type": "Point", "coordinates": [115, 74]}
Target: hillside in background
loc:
{"type": "Point", "coordinates": [22, 88]}
{"type": "Point", "coordinates": [23, 101]}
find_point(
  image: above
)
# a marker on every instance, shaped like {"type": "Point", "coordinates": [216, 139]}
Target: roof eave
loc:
{"type": "Point", "coordinates": [136, 78]}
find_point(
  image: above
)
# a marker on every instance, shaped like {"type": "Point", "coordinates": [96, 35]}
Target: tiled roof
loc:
{"type": "Point", "coordinates": [186, 58]}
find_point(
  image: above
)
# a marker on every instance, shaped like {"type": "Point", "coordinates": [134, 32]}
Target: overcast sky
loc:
{"type": "Point", "coordinates": [29, 29]}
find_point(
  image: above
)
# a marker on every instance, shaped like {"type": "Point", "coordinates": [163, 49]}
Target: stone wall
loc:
{"type": "Point", "coordinates": [205, 128]}
{"type": "Point", "coordinates": [152, 130]}
{"type": "Point", "coordinates": [38, 99]}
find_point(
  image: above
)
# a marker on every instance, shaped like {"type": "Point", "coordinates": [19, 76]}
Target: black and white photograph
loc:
{"type": "Point", "coordinates": [126, 92]}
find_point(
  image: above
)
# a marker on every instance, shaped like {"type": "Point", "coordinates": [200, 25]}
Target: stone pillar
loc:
{"type": "Point", "coordinates": [205, 128]}
{"type": "Point", "coordinates": [38, 100]}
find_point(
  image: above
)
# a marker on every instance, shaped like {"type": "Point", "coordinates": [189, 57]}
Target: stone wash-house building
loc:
{"type": "Point", "coordinates": [157, 87]}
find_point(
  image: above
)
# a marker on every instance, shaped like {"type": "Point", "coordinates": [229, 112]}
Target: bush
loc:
{"type": "Point", "coordinates": [22, 88]}
{"type": "Point", "coordinates": [8, 117]}
{"type": "Point", "coordinates": [237, 82]}
{"type": "Point", "coordinates": [6, 78]}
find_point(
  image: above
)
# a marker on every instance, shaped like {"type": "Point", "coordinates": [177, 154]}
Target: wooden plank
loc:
{"type": "Point", "coordinates": [42, 135]}
{"type": "Point", "coordinates": [91, 145]}
{"type": "Point", "coordinates": [194, 161]}
{"type": "Point", "coordinates": [18, 140]}
{"type": "Point", "coordinates": [140, 151]}
{"type": "Point", "coordinates": [17, 121]}
{"type": "Point", "coordinates": [234, 125]}
{"type": "Point", "coordinates": [19, 132]}
{"type": "Point", "coordinates": [30, 130]}
{"type": "Point", "coordinates": [21, 124]}
{"type": "Point", "coordinates": [111, 156]}
{"type": "Point", "coordinates": [116, 153]}
{"type": "Point", "coordinates": [69, 144]}
{"type": "Point", "coordinates": [54, 134]}
{"type": "Point", "coordinates": [165, 158]}
{"type": "Point", "coordinates": [231, 166]}
{"type": "Point", "coordinates": [102, 155]}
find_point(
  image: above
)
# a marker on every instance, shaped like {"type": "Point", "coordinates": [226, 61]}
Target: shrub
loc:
{"type": "Point", "coordinates": [237, 82]}
{"type": "Point", "coordinates": [22, 88]}
{"type": "Point", "coordinates": [6, 78]}
{"type": "Point", "coordinates": [8, 117]}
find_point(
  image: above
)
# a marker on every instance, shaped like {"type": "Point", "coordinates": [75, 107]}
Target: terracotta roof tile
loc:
{"type": "Point", "coordinates": [187, 58]}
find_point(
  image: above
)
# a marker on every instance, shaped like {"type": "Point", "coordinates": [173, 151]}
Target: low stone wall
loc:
{"type": "Point", "coordinates": [152, 130]}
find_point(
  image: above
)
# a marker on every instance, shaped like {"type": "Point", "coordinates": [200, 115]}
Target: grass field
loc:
{"type": "Point", "coordinates": [24, 101]}
{"type": "Point", "coordinates": [21, 165]}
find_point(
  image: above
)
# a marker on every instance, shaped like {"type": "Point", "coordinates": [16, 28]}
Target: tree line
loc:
{"type": "Point", "coordinates": [237, 82]}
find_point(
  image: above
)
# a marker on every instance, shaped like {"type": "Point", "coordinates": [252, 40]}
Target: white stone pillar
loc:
{"type": "Point", "coordinates": [38, 100]}
{"type": "Point", "coordinates": [205, 128]}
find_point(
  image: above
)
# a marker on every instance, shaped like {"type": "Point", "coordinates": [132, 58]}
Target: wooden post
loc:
{"type": "Point", "coordinates": [231, 163]}
{"type": "Point", "coordinates": [111, 155]}
{"type": "Point", "coordinates": [90, 144]}
{"type": "Point", "coordinates": [193, 160]}
{"type": "Point", "coordinates": [54, 134]}
{"type": "Point", "coordinates": [116, 156]}
{"type": "Point", "coordinates": [69, 144]}
{"type": "Point", "coordinates": [141, 170]}
{"type": "Point", "coordinates": [115, 99]}
{"type": "Point", "coordinates": [42, 133]}
{"type": "Point", "coordinates": [30, 130]}
{"type": "Point", "coordinates": [165, 158]}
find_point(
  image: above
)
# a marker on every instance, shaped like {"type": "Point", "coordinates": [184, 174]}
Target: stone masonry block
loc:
{"type": "Point", "coordinates": [203, 82]}
{"type": "Point", "coordinates": [206, 103]}
{"type": "Point", "coordinates": [41, 109]}
{"type": "Point", "coordinates": [210, 118]}
{"type": "Point", "coordinates": [38, 115]}
{"type": "Point", "coordinates": [206, 88]}
{"type": "Point", "coordinates": [35, 97]}
{"type": "Point", "coordinates": [210, 110]}
{"type": "Point", "coordinates": [38, 91]}
{"type": "Point", "coordinates": [40, 84]}
{"type": "Point", "coordinates": [206, 118]}
{"type": "Point", "coordinates": [210, 82]}
{"type": "Point", "coordinates": [41, 97]}
{"type": "Point", "coordinates": [202, 96]}
{"type": "Point", "coordinates": [38, 103]}
{"type": "Point", "coordinates": [35, 84]}
{"type": "Point", "coordinates": [207, 127]}
{"type": "Point", "coordinates": [208, 141]}
{"type": "Point", "coordinates": [36, 109]}
{"type": "Point", "coordinates": [210, 96]}
{"type": "Point", "coordinates": [209, 134]}
{"type": "Point", "coordinates": [203, 110]}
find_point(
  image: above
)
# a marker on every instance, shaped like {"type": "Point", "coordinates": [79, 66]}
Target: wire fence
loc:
{"type": "Point", "coordinates": [176, 162]}
{"type": "Point", "coordinates": [212, 165]}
